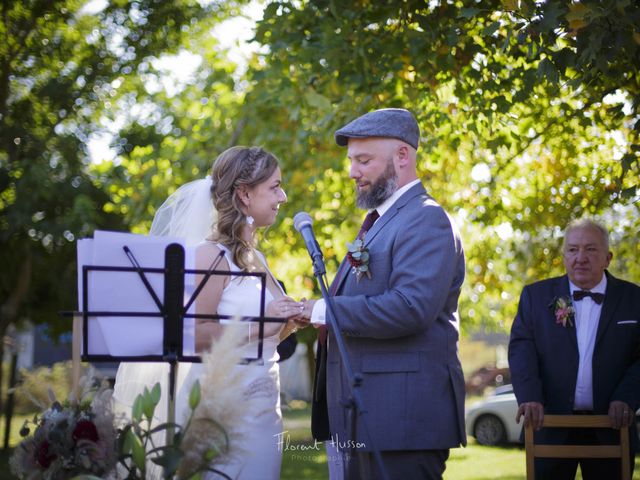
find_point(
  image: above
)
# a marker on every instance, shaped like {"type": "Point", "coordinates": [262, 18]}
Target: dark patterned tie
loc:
{"type": "Point", "coordinates": [580, 294]}
{"type": "Point", "coordinates": [369, 220]}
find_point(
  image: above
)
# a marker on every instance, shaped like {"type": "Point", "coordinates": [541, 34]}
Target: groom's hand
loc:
{"type": "Point", "coordinates": [533, 413]}
{"type": "Point", "coordinates": [307, 308]}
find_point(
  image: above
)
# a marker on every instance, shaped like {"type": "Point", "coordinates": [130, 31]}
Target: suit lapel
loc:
{"type": "Point", "coordinates": [414, 191]}
{"type": "Point", "coordinates": [341, 274]}
{"type": "Point", "coordinates": [611, 299]}
{"type": "Point", "coordinates": [344, 268]}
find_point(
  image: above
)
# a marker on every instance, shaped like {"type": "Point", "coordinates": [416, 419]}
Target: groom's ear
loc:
{"type": "Point", "coordinates": [403, 156]}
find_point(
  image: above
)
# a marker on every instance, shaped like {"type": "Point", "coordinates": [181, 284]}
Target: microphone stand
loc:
{"type": "Point", "coordinates": [355, 402]}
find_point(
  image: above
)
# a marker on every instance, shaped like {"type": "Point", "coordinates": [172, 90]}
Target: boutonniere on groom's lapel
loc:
{"type": "Point", "coordinates": [563, 310]}
{"type": "Point", "coordinates": [358, 256]}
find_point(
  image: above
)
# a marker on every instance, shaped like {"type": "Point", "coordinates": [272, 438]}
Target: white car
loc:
{"type": "Point", "coordinates": [492, 420]}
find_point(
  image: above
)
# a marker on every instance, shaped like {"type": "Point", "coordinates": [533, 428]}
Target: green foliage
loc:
{"type": "Point", "coordinates": [142, 442]}
{"type": "Point", "coordinates": [32, 393]}
{"type": "Point", "coordinates": [510, 146]}
{"type": "Point", "coordinates": [529, 114]}
{"type": "Point", "coordinates": [515, 143]}
{"type": "Point", "coordinates": [61, 69]}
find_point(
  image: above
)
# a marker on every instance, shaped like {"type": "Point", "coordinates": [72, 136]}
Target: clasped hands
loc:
{"type": "Point", "coordinates": [620, 413]}
{"type": "Point", "coordinates": [298, 314]}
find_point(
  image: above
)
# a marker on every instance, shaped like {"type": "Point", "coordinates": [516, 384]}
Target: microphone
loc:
{"type": "Point", "coordinates": [304, 224]}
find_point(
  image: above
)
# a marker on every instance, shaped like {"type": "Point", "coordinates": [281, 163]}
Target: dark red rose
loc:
{"type": "Point", "coordinates": [353, 261]}
{"type": "Point", "coordinates": [43, 456]}
{"type": "Point", "coordinates": [85, 430]}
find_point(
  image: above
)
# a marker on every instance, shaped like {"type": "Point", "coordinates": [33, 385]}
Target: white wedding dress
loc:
{"type": "Point", "coordinates": [261, 428]}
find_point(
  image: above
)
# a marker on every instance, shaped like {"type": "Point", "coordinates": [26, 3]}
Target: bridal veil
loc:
{"type": "Point", "coordinates": [187, 214]}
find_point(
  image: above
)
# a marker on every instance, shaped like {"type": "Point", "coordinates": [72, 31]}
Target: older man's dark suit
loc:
{"type": "Point", "coordinates": [543, 355]}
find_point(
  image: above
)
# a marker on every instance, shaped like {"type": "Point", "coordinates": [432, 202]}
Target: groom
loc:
{"type": "Point", "coordinates": [397, 313]}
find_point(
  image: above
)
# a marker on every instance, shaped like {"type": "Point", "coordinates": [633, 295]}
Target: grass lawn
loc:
{"type": "Point", "coordinates": [476, 462]}
{"type": "Point", "coordinates": [305, 461]}
{"type": "Point", "coordinates": [14, 439]}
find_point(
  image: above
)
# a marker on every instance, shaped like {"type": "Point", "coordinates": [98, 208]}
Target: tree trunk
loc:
{"type": "Point", "coordinates": [10, 309]}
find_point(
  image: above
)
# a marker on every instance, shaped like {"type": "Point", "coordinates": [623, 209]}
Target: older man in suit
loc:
{"type": "Point", "coordinates": [575, 348]}
{"type": "Point", "coordinates": [396, 309]}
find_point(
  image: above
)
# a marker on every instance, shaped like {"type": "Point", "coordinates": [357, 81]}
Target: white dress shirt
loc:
{"type": "Point", "coordinates": [318, 314]}
{"type": "Point", "coordinates": [587, 317]}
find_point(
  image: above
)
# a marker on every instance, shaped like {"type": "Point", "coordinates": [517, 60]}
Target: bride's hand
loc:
{"type": "Point", "coordinates": [299, 321]}
{"type": "Point", "coordinates": [284, 307]}
{"type": "Point", "coordinates": [293, 325]}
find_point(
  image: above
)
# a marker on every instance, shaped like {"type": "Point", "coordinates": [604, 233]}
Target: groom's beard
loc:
{"type": "Point", "coordinates": [380, 190]}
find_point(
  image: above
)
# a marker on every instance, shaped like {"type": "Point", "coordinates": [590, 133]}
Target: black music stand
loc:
{"type": "Point", "coordinates": [172, 309]}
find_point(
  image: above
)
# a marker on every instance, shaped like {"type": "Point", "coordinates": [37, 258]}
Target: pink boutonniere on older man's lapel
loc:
{"type": "Point", "coordinates": [563, 310]}
{"type": "Point", "coordinates": [358, 256]}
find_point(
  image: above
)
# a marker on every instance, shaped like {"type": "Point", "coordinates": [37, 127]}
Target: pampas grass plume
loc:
{"type": "Point", "coordinates": [223, 401]}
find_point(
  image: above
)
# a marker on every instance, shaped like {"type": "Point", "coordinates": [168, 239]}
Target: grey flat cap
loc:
{"type": "Point", "coordinates": [387, 122]}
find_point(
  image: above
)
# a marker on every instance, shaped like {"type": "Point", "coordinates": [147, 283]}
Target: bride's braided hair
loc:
{"type": "Point", "coordinates": [234, 167]}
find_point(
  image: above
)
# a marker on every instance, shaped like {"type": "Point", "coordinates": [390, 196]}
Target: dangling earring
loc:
{"type": "Point", "coordinates": [250, 220]}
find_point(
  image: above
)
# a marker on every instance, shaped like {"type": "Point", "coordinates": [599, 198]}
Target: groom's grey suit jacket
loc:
{"type": "Point", "coordinates": [401, 332]}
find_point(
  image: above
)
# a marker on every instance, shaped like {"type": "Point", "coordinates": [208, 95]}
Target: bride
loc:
{"type": "Point", "coordinates": [245, 189]}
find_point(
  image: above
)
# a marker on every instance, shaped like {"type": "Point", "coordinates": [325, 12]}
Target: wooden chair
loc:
{"type": "Point", "coordinates": [577, 451]}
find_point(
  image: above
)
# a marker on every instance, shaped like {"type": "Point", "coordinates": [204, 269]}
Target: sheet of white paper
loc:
{"type": "Point", "coordinates": [125, 292]}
